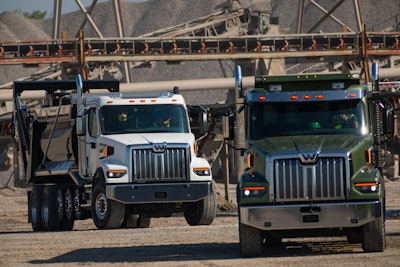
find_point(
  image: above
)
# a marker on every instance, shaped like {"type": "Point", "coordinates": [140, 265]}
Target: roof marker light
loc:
{"type": "Point", "coordinates": [109, 101]}
{"type": "Point", "coordinates": [306, 97]}
{"type": "Point", "coordinates": [319, 97]}
{"type": "Point", "coordinates": [294, 97]}
{"type": "Point", "coordinates": [142, 100]}
{"type": "Point", "coordinates": [352, 95]}
{"type": "Point", "coordinates": [132, 100]}
{"type": "Point", "coordinates": [262, 98]}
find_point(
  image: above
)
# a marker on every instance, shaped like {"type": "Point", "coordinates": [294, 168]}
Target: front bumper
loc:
{"type": "Point", "coordinates": [303, 216]}
{"type": "Point", "coordinates": [159, 193]}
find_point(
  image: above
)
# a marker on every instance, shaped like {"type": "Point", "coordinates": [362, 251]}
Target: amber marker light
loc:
{"type": "Point", "coordinates": [367, 187]}
{"type": "Point", "coordinates": [306, 97]}
{"type": "Point", "coordinates": [368, 156]}
{"type": "Point", "coordinates": [250, 161]}
{"type": "Point", "coordinates": [109, 101]}
{"type": "Point", "coordinates": [352, 95]}
{"type": "Point", "coordinates": [262, 98]}
{"type": "Point", "coordinates": [319, 97]}
{"type": "Point", "coordinates": [253, 191]}
{"type": "Point", "coordinates": [294, 97]}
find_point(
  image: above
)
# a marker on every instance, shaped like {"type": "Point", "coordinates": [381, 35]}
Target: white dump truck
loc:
{"type": "Point", "coordinates": [120, 158]}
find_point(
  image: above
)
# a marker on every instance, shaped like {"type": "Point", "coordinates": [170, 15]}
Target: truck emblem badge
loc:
{"type": "Point", "coordinates": [159, 148]}
{"type": "Point", "coordinates": [308, 157]}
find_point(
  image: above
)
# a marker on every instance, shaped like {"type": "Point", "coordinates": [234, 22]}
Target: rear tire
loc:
{"type": "Point", "coordinates": [79, 212]}
{"type": "Point", "coordinates": [35, 208]}
{"type": "Point", "coordinates": [202, 212]}
{"type": "Point", "coordinates": [68, 221]}
{"type": "Point", "coordinates": [144, 221]}
{"type": "Point", "coordinates": [50, 218]}
{"type": "Point", "coordinates": [131, 221]}
{"type": "Point", "coordinates": [106, 213]}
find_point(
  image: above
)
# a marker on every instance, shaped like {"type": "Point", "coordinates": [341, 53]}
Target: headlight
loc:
{"type": "Point", "coordinates": [116, 173]}
{"type": "Point", "coordinates": [202, 171]}
{"type": "Point", "coordinates": [253, 191]}
{"type": "Point", "coordinates": [367, 187]}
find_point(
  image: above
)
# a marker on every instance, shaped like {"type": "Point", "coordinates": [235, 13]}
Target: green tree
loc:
{"type": "Point", "coordinates": [36, 14]}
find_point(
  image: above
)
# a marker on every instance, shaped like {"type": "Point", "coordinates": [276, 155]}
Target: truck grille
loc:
{"type": "Point", "coordinates": [295, 181]}
{"type": "Point", "coordinates": [172, 164]}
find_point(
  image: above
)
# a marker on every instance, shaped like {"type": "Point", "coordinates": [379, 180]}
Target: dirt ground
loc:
{"type": "Point", "coordinates": [171, 242]}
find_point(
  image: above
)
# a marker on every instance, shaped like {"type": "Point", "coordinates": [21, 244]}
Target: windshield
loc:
{"type": "Point", "coordinates": [143, 119]}
{"type": "Point", "coordinates": [270, 119]}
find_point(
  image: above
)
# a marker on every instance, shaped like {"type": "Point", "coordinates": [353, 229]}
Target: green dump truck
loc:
{"type": "Point", "coordinates": [314, 160]}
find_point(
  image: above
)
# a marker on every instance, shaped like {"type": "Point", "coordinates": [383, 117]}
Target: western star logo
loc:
{"type": "Point", "coordinates": [309, 157]}
{"type": "Point", "coordinates": [159, 148]}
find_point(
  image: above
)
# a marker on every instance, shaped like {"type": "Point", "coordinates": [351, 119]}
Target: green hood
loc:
{"type": "Point", "coordinates": [297, 144]}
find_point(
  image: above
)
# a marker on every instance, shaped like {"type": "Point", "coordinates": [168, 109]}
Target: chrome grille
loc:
{"type": "Point", "coordinates": [172, 164]}
{"type": "Point", "coordinates": [324, 180]}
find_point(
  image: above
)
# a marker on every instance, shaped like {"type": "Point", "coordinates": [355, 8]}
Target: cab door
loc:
{"type": "Point", "coordinates": [92, 142]}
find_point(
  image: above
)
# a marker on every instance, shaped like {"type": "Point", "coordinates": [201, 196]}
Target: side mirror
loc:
{"type": "Point", "coordinates": [228, 127]}
{"type": "Point", "coordinates": [388, 120]}
{"type": "Point", "coordinates": [203, 122]}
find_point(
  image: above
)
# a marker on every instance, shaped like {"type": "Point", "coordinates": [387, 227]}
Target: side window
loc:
{"type": "Point", "coordinates": [92, 123]}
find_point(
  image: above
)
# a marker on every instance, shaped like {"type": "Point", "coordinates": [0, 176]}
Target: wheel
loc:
{"type": "Point", "coordinates": [202, 212]}
{"type": "Point", "coordinates": [373, 234]}
{"type": "Point", "coordinates": [106, 213]}
{"type": "Point", "coordinates": [60, 203]}
{"type": "Point", "coordinates": [69, 204]}
{"type": "Point", "coordinates": [355, 235]}
{"type": "Point", "coordinates": [273, 239]}
{"type": "Point", "coordinates": [68, 220]}
{"type": "Point", "coordinates": [35, 208]}
{"type": "Point", "coordinates": [50, 219]}
{"type": "Point", "coordinates": [131, 221]}
{"type": "Point", "coordinates": [79, 212]}
{"type": "Point", "coordinates": [144, 221]}
{"type": "Point", "coordinates": [251, 241]}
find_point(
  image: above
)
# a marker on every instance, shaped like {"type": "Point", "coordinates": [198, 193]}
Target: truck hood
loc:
{"type": "Point", "coordinates": [317, 143]}
{"type": "Point", "coordinates": [148, 138]}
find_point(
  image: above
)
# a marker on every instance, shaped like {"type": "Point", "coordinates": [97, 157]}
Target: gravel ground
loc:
{"type": "Point", "coordinates": [171, 242]}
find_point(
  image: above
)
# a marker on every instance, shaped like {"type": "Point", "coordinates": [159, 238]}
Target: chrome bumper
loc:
{"type": "Point", "coordinates": [303, 216]}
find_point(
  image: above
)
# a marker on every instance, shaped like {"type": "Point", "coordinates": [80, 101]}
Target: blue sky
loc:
{"type": "Point", "coordinates": [45, 5]}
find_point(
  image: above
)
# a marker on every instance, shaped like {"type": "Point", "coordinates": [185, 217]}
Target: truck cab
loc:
{"type": "Point", "coordinates": [311, 159]}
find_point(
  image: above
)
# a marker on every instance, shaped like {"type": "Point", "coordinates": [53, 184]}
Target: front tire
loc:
{"type": "Point", "coordinates": [374, 239]}
{"type": "Point", "coordinates": [251, 241]}
{"type": "Point", "coordinates": [202, 212]}
{"type": "Point", "coordinates": [106, 213]}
